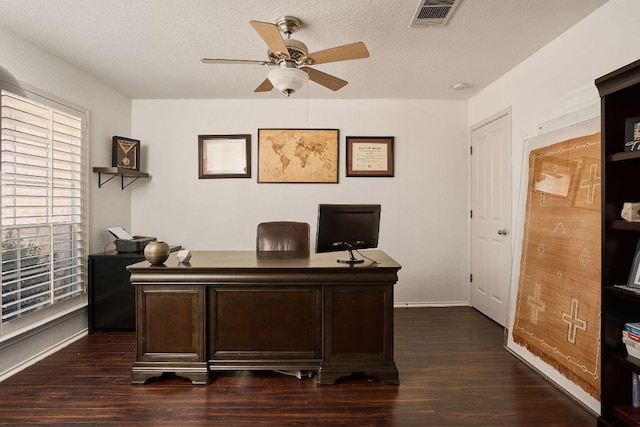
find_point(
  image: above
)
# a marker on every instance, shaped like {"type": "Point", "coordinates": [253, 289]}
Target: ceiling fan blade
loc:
{"type": "Point", "coordinates": [326, 80]}
{"type": "Point", "coordinates": [346, 52]}
{"type": "Point", "coordinates": [271, 35]}
{"type": "Point", "coordinates": [234, 61]}
{"type": "Point", "coordinates": [265, 86]}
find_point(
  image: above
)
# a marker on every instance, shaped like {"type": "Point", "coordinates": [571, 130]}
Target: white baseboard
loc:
{"type": "Point", "coordinates": [432, 304]}
{"type": "Point", "coordinates": [40, 356]}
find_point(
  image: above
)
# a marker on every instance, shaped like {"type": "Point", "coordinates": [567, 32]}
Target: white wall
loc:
{"type": "Point", "coordinates": [553, 84]}
{"type": "Point", "coordinates": [109, 114]}
{"type": "Point", "coordinates": [424, 207]}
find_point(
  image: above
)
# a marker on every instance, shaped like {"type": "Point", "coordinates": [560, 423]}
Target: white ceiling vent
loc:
{"type": "Point", "coordinates": [434, 12]}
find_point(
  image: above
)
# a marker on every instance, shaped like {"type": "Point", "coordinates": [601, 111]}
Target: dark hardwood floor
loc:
{"type": "Point", "coordinates": [453, 368]}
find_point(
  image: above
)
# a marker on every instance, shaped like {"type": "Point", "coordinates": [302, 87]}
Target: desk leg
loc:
{"type": "Point", "coordinates": [170, 333]}
{"type": "Point", "coordinates": [198, 374]}
{"type": "Point", "coordinates": [358, 333]}
{"type": "Point", "coordinates": [387, 373]}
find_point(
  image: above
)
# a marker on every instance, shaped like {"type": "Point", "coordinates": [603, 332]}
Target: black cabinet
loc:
{"type": "Point", "coordinates": [620, 97]}
{"type": "Point", "coordinates": [112, 303]}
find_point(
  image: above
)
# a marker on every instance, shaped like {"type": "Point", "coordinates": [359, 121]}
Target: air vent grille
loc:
{"type": "Point", "coordinates": [439, 12]}
{"type": "Point", "coordinates": [434, 12]}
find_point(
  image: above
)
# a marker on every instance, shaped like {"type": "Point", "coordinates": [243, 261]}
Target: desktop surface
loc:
{"type": "Point", "coordinates": [253, 259]}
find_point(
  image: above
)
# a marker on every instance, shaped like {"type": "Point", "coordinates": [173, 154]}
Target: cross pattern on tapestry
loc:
{"type": "Point", "coordinates": [557, 315]}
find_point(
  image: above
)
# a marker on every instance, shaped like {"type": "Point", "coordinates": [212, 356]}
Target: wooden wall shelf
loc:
{"type": "Point", "coordinates": [123, 173]}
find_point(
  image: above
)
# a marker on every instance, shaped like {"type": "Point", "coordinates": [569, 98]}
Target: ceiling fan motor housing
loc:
{"type": "Point", "coordinates": [297, 52]}
{"type": "Point", "coordinates": [288, 24]}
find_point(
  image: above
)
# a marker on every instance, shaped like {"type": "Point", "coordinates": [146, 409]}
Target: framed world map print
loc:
{"type": "Point", "coordinates": [298, 156]}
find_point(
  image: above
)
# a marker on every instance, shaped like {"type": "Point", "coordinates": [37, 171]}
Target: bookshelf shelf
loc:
{"type": "Point", "coordinates": [628, 414]}
{"type": "Point", "coordinates": [617, 157]}
{"type": "Point", "coordinates": [624, 225]}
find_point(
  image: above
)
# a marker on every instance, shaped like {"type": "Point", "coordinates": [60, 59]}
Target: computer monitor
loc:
{"type": "Point", "coordinates": [347, 227]}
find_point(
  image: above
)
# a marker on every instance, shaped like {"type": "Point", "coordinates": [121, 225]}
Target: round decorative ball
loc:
{"type": "Point", "coordinates": [156, 252]}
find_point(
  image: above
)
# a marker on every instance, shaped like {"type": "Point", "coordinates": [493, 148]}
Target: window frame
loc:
{"type": "Point", "coordinates": [56, 310]}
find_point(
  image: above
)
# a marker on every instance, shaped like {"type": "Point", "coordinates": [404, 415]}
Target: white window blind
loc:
{"type": "Point", "coordinates": [42, 179]}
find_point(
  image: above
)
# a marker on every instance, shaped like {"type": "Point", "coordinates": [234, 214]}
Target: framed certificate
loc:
{"type": "Point", "coordinates": [370, 156]}
{"type": "Point", "coordinates": [126, 153]}
{"type": "Point", "coordinates": [224, 156]}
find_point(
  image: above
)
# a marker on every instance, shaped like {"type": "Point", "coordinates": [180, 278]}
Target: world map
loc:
{"type": "Point", "coordinates": [298, 155]}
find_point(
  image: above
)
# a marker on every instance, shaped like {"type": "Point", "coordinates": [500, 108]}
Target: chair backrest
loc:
{"type": "Point", "coordinates": [283, 236]}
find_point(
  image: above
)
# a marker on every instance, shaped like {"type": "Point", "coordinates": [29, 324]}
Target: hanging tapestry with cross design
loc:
{"type": "Point", "coordinates": [557, 313]}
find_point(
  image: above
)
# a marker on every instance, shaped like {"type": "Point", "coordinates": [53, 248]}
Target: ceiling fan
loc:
{"type": "Point", "coordinates": [293, 58]}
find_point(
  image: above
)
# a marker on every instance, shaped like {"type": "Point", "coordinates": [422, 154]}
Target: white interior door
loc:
{"type": "Point", "coordinates": [491, 217]}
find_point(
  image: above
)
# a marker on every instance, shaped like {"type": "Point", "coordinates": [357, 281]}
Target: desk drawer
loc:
{"type": "Point", "coordinates": [265, 323]}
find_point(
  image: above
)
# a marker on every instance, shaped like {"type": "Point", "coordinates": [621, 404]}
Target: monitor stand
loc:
{"type": "Point", "coordinates": [352, 259]}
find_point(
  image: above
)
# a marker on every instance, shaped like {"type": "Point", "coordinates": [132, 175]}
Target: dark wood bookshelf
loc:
{"type": "Point", "coordinates": [620, 100]}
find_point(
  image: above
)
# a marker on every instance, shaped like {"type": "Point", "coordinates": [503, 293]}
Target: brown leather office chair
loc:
{"type": "Point", "coordinates": [283, 236]}
{"type": "Point", "coordinates": [290, 238]}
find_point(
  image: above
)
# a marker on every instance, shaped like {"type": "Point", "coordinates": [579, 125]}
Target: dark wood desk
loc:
{"type": "Point", "coordinates": [111, 296]}
{"type": "Point", "coordinates": [237, 310]}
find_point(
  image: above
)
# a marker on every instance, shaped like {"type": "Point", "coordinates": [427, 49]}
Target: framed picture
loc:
{"type": "Point", "coordinates": [632, 134]}
{"type": "Point", "coordinates": [634, 275]}
{"type": "Point", "coordinates": [126, 153]}
{"type": "Point", "coordinates": [298, 156]}
{"type": "Point", "coordinates": [224, 156]}
{"type": "Point", "coordinates": [370, 156]}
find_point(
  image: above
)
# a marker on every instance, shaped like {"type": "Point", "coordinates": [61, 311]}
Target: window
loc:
{"type": "Point", "coordinates": [42, 174]}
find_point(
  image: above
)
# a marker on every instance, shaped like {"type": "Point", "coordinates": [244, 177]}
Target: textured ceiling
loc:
{"type": "Point", "coordinates": [152, 48]}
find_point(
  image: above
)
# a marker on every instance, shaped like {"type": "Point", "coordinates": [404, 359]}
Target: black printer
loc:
{"type": "Point", "coordinates": [125, 242]}
{"type": "Point", "coordinates": [136, 244]}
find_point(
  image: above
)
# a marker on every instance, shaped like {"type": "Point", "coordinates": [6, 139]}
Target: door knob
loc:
{"type": "Point", "coordinates": [503, 232]}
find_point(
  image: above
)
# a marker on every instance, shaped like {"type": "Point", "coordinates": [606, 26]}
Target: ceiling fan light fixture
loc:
{"type": "Point", "coordinates": [288, 80]}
